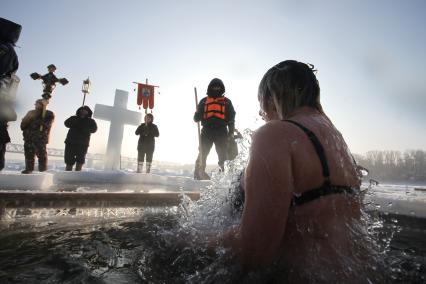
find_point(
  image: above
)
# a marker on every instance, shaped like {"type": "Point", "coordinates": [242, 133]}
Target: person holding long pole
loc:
{"type": "Point", "coordinates": [36, 131]}
{"type": "Point", "coordinates": [217, 116]}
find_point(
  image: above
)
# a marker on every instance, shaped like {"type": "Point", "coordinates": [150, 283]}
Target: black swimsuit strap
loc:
{"type": "Point", "coordinates": [319, 192]}
{"type": "Point", "coordinates": [318, 149]}
{"type": "Point", "coordinates": [326, 188]}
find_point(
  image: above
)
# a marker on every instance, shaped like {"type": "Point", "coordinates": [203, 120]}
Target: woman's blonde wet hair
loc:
{"type": "Point", "coordinates": [290, 85]}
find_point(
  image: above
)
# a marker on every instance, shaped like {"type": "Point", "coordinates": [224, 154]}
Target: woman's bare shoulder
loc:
{"type": "Point", "coordinates": [272, 137]}
{"type": "Point", "coordinates": [274, 128]}
{"type": "Point", "coordinates": [277, 130]}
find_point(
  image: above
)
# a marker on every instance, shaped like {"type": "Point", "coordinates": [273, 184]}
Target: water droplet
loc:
{"type": "Point", "coordinates": [412, 213]}
{"type": "Point", "coordinates": [390, 204]}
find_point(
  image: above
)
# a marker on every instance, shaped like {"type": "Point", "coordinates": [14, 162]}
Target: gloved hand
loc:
{"type": "Point", "coordinates": [231, 129]}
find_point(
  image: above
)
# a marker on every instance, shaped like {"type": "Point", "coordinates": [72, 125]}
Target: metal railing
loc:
{"type": "Point", "coordinates": [127, 162]}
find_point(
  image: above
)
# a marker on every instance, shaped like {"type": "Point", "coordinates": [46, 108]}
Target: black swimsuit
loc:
{"type": "Point", "coordinates": [326, 188]}
{"type": "Point", "coordinates": [237, 198]}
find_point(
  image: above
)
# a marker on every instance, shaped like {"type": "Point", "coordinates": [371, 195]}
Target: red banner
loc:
{"type": "Point", "coordinates": [145, 96]}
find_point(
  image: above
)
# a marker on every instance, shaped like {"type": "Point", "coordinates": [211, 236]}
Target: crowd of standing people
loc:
{"type": "Point", "coordinates": [215, 112]}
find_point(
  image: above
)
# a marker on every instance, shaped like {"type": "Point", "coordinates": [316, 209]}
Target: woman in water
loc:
{"type": "Point", "coordinates": [301, 184]}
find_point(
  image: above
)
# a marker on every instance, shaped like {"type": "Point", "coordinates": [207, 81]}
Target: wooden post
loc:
{"type": "Point", "coordinates": [199, 131]}
{"type": "Point", "coordinates": [43, 112]}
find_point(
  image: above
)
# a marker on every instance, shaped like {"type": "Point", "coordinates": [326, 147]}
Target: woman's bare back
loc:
{"type": "Point", "coordinates": [284, 162]}
{"type": "Point", "coordinates": [317, 232]}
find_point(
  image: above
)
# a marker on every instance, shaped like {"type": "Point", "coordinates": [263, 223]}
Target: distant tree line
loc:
{"type": "Point", "coordinates": [395, 166]}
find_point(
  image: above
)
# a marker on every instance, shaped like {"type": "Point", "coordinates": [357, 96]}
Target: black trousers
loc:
{"type": "Point", "coordinates": [210, 136]}
{"type": "Point", "coordinates": [145, 152]}
{"type": "Point", "coordinates": [2, 153]}
{"type": "Point", "coordinates": [75, 153]}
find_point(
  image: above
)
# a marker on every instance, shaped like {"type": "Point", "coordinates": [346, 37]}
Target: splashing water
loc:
{"type": "Point", "coordinates": [201, 221]}
{"type": "Point", "coordinates": [174, 245]}
{"type": "Point", "coordinates": [215, 210]}
{"type": "Point", "coordinates": [215, 213]}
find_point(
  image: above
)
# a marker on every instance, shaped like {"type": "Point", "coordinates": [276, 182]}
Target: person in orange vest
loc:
{"type": "Point", "coordinates": [217, 116]}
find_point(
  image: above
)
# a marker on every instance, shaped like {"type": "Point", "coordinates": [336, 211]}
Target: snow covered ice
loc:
{"type": "Point", "coordinates": [397, 199]}
{"type": "Point", "coordinates": [43, 181]}
{"type": "Point", "coordinates": [16, 180]}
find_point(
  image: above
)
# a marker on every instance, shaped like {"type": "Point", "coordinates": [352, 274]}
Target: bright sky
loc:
{"type": "Point", "coordinates": [370, 57]}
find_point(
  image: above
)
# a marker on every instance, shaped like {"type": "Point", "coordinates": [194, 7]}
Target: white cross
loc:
{"type": "Point", "coordinates": [119, 115]}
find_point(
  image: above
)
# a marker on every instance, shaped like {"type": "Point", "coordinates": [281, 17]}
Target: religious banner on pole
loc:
{"type": "Point", "coordinates": [145, 95]}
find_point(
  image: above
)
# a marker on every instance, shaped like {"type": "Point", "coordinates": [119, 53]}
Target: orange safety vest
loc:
{"type": "Point", "coordinates": [214, 107]}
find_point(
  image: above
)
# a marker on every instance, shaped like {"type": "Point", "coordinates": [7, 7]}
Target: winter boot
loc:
{"type": "Point", "coordinates": [140, 166]}
{"type": "Point", "coordinates": [78, 167]}
{"type": "Point", "coordinates": [68, 167]}
{"type": "Point", "coordinates": [148, 168]}
{"type": "Point", "coordinates": [29, 167]}
{"type": "Point", "coordinates": [42, 165]}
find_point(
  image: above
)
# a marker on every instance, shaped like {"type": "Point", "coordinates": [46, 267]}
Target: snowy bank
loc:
{"type": "Point", "coordinates": [121, 177]}
{"type": "Point", "coordinates": [34, 181]}
{"type": "Point", "coordinates": [11, 180]}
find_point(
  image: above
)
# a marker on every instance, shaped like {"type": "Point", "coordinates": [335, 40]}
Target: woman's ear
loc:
{"type": "Point", "coordinates": [277, 110]}
{"type": "Point", "coordinates": [270, 110]}
{"type": "Point", "coordinates": [272, 104]}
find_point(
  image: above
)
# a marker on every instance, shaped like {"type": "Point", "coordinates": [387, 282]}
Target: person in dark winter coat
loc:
{"type": "Point", "coordinates": [217, 116]}
{"type": "Point", "coordinates": [4, 139]}
{"type": "Point", "coordinates": [9, 35]}
{"type": "Point", "coordinates": [36, 130]}
{"type": "Point", "coordinates": [146, 145]}
{"type": "Point", "coordinates": [81, 126]}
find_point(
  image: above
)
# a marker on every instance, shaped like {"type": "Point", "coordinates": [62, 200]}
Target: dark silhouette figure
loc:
{"type": "Point", "coordinates": [217, 116]}
{"type": "Point", "coordinates": [81, 126]}
{"type": "Point", "coordinates": [4, 139]}
{"type": "Point", "coordinates": [147, 132]}
{"type": "Point", "coordinates": [9, 35]}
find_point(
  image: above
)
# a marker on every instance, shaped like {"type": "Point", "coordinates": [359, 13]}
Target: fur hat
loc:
{"type": "Point", "coordinates": [9, 31]}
